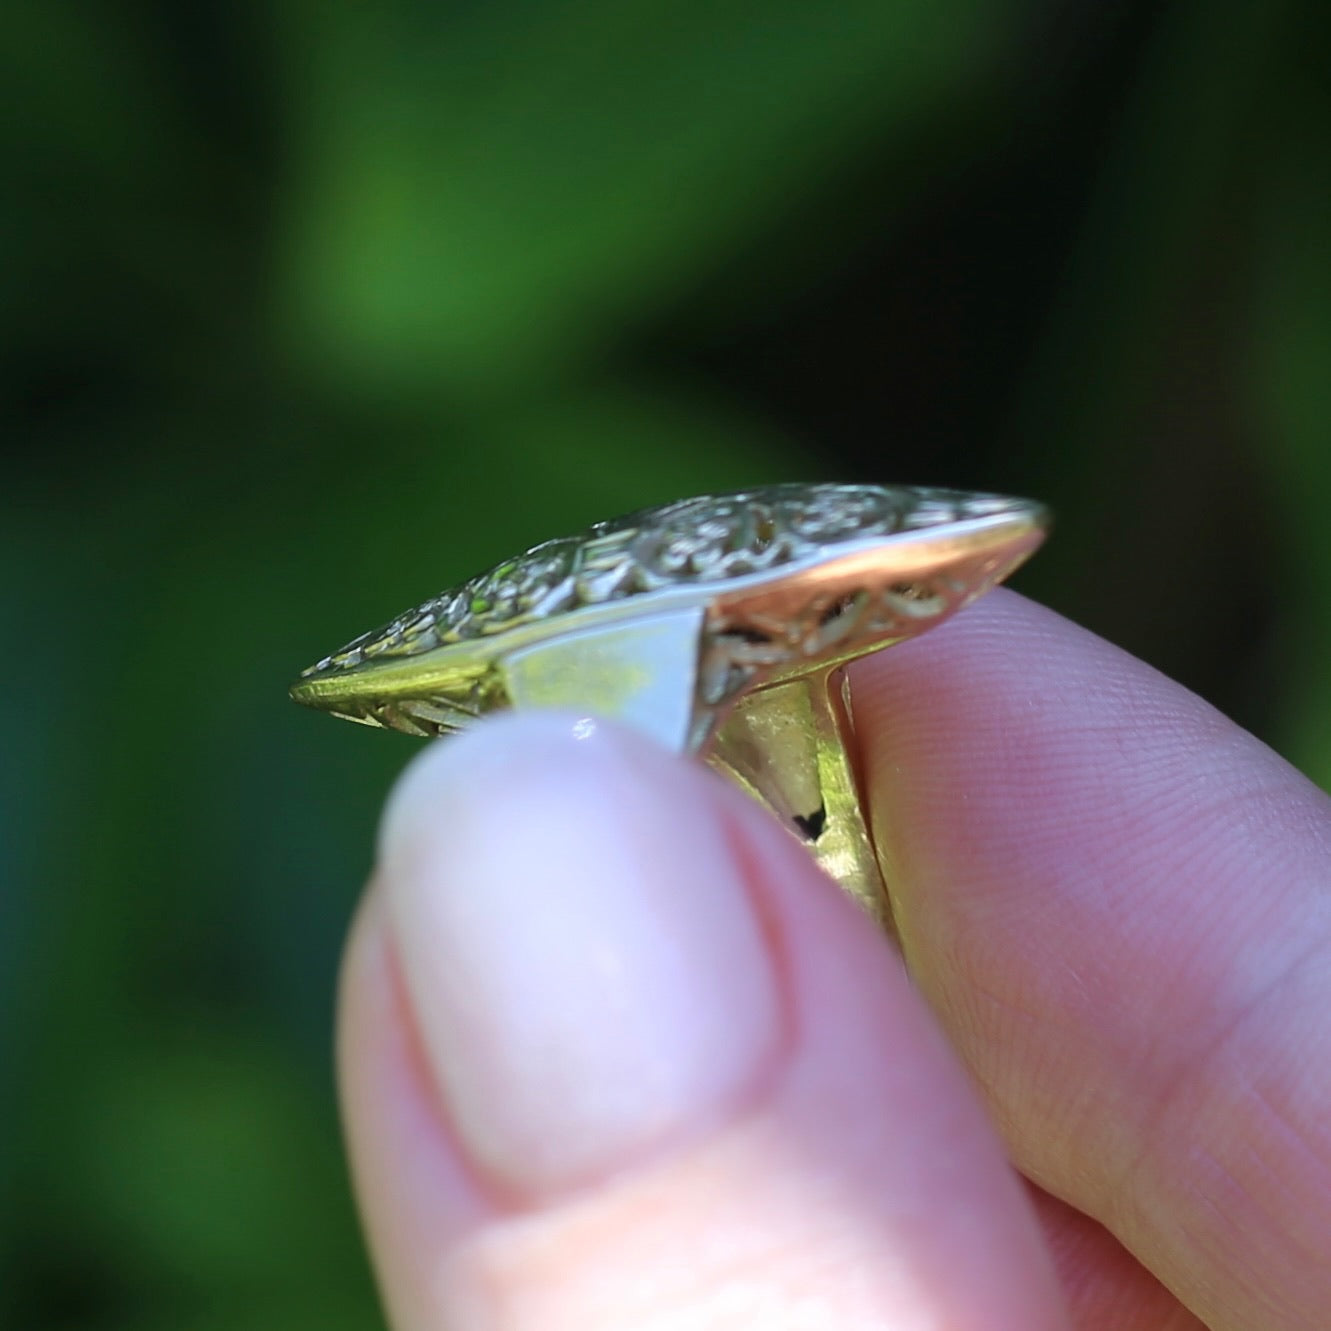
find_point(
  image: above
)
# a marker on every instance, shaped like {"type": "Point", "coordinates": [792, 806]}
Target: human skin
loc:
{"type": "Point", "coordinates": [615, 1055]}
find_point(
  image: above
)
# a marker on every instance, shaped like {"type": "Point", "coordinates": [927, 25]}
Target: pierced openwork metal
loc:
{"type": "Point", "coordinates": [720, 625]}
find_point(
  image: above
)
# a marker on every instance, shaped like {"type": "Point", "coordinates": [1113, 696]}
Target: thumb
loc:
{"type": "Point", "coordinates": [614, 1054]}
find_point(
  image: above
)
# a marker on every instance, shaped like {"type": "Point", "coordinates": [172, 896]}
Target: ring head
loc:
{"type": "Point", "coordinates": [667, 617]}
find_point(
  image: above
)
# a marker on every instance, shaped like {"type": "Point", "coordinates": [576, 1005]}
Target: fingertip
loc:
{"type": "Point", "coordinates": [1114, 899]}
{"type": "Point", "coordinates": [733, 1100]}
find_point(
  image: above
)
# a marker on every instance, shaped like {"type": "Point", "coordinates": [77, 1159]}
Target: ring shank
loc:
{"type": "Point", "coordinates": [791, 746]}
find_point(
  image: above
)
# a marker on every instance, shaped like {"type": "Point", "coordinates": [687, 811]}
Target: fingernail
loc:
{"type": "Point", "coordinates": [584, 964]}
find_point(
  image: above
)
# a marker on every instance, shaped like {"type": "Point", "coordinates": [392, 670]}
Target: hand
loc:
{"type": "Point", "coordinates": [616, 1057]}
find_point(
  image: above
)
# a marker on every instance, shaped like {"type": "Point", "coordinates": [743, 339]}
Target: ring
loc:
{"type": "Point", "coordinates": [721, 626]}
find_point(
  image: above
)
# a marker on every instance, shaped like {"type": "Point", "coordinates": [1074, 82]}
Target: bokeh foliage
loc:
{"type": "Point", "coordinates": [310, 310]}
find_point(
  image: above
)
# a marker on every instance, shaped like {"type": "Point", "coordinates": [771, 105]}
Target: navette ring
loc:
{"type": "Point", "coordinates": [721, 626]}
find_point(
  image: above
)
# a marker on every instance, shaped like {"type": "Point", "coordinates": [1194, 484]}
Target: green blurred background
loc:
{"type": "Point", "coordinates": [311, 310]}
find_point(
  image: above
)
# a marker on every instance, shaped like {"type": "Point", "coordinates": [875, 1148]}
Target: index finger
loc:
{"type": "Point", "coordinates": [1119, 904]}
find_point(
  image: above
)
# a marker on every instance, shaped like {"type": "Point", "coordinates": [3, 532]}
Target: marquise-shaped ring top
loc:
{"type": "Point", "coordinates": [668, 616]}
